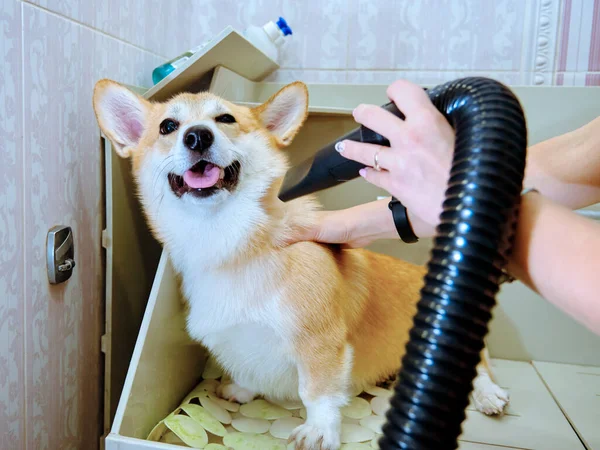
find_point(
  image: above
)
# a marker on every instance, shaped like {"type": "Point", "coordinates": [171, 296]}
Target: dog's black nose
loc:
{"type": "Point", "coordinates": [198, 139]}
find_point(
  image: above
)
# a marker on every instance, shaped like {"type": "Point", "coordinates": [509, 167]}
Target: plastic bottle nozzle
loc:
{"type": "Point", "coordinates": [284, 27]}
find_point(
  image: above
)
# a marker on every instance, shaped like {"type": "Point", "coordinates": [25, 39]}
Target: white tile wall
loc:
{"type": "Point", "coordinates": [52, 53]}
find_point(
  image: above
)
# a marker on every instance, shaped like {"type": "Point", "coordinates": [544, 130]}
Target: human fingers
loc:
{"type": "Point", "coordinates": [309, 230]}
{"type": "Point", "coordinates": [383, 179]}
{"type": "Point", "coordinates": [410, 98]}
{"type": "Point", "coordinates": [379, 120]}
{"type": "Point", "coordinates": [367, 154]}
{"type": "Point", "coordinates": [331, 227]}
{"type": "Point", "coordinates": [300, 234]}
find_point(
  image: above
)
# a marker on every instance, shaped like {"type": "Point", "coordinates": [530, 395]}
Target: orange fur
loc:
{"type": "Point", "coordinates": [353, 296]}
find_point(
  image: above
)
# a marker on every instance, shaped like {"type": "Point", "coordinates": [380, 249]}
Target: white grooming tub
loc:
{"type": "Point", "coordinates": [549, 364]}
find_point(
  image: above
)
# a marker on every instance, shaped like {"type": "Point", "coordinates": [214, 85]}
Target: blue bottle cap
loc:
{"type": "Point", "coordinates": [284, 27]}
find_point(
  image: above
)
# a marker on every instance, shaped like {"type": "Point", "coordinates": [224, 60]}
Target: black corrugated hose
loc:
{"type": "Point", "coordinates": [471, 248]}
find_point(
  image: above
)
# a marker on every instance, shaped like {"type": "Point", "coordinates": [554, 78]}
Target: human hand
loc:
{"type": "Point", "coordinates": [416, 166]}
{"type": "Point", "coordinates": [353, 227]}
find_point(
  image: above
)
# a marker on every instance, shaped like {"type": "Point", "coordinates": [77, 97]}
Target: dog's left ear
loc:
{"type": "Point", "coordinates": [285, 112]}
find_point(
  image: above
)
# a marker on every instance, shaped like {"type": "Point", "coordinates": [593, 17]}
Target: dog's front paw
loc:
{"type": "Point", "coordinates": [310, 437]}
{"type": "Point", "coordinates": [235, 393]}
{"type": "Point", "coordinates": [489, 398]}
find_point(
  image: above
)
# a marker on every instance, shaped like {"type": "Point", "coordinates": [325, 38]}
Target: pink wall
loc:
{"type": "Point", "coordinates": [578, 50]}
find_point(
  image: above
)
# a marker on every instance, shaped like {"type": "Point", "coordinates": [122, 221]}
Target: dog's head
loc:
{"type": "Point", "coordinates": [199, 150]}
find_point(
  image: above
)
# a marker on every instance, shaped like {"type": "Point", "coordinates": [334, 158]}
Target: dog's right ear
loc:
{"type": "Point", "coordinates": [121, 115]}
{"type": "Point", "coordinates": [284, 113]}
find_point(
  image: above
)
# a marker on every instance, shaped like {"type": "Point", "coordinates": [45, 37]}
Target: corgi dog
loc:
{"type": "Point", "coordinates": [304, 321]}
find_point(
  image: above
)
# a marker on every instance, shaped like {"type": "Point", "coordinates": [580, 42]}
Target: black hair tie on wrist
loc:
{"type": "Point", "coordinates": [403, 226]}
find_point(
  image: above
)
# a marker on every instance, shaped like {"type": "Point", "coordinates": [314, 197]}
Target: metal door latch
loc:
{"type": "Point", "coordinates": [60, 253]}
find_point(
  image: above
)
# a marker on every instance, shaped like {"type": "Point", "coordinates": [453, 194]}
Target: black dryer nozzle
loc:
{"type": "Point", "coordinates": [327, 168]}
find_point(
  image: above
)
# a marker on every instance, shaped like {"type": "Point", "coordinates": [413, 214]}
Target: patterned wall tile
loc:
{"type": "Point", "coordinates": [325, 34]}
{"type": "Point", "coordinates": [372, 35]}
{"type": "Point", "coordinates": [594, 56]}
{"type": "Point", "coordinates": [578, 79]}
{"type": "Point", "coordinates": [592, 79]}
{"type": "Point", "coordinates": [132, 21]}
{"type": "Point", "coordinates": [12, 386]}
{"type": "Point", "coordinates": [170, 28]}
{"type": "Point", "coordinates": [448, 34]}
{"type": "Point", "coordinates": [578, 42]}
{"type": "Point", "coordinates": [63, 165]}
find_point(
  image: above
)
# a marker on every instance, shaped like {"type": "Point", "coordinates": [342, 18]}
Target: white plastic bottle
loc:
{"type": "Point", "coordinates": [270, 37]}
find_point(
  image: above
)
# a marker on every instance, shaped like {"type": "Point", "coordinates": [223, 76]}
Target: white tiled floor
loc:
{"type": "Point", "coordinates": [532, 420]}
{"type": "Point", "coordinates": [576, 389]}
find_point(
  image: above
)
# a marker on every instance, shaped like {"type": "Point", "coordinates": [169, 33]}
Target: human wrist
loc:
{"type": "Point", "coordinates": [421, 228]}
{"type": "Point", "coordinates": [529, 211]}
{"type": "Point", "coordinates": [388, 229]}
{"type": "Point", "coordinates": [377, 221]}
{"type": "Point", "coordinates": [369, 222]}
{"type": "Point", "coordinates": [373, 221]}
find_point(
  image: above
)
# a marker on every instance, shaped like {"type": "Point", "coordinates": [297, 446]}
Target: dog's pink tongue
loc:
{"type": "Point", "coordinates": [206, 179]}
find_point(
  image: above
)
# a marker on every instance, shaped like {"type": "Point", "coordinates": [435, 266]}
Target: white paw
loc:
{"type": "Point", "coordinates": [488, 397]}
{"type": "Point", "coordinates": [235, 393]}
{"type": "Point", "coordinates": [310, 437]}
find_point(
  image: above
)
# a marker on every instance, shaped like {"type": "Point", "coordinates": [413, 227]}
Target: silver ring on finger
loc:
{"type": "Point", "coordinates": [376, 166]}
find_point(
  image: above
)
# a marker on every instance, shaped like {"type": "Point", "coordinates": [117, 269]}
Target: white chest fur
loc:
{"type": "Point", "coordinates": [237, 316]}
{"type": "Point", "coordinates": [258, 359]}
{"type": "Point", "coordinates": [236, 313]}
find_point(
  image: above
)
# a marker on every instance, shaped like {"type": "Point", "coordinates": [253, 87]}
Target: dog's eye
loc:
{"type": "Point", "coordinates": [225, 118]}
{"type": "Point", "coordinates": [167, 126]}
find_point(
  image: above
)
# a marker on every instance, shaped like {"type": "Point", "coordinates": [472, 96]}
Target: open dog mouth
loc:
{"type": "Point", "coordinates": [204, 179]}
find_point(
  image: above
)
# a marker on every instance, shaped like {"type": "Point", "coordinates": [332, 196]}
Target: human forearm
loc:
{"type": "Point", "coordinates": [551, 248]}
{"type": "Point", "coordinates": [566, 168]}
{"type": "Point", "coordinates": [357, 226]}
